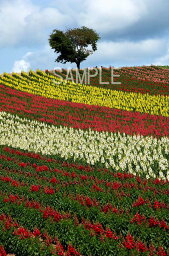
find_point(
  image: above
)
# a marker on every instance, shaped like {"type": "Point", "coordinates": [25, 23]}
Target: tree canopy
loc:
{"type": "Point", "coordinates": [72, 45]}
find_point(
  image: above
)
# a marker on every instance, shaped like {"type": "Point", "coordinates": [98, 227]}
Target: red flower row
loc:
{"type": "Point", "coordinates": [24, 233]}
{"type": "Point", "coordinates": [79, 116]}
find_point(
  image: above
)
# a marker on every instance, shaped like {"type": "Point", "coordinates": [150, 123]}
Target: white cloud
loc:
{"type": "Point", "coordinates": [111, 15]}
{"type": "Point", "coordinates": [12, 17]}
{"type": "Point", "coordinates": [164, 60]}
{"type": "Point", "coordinates": [28, 54]}
{"type": "Point", "coordinates": [109, 51]}
{"type": "Point", "coordinates": [21, 65]}
{"type": "Point", "coordinates": [43, 58]}
{"type": "Point", "coordinates": [45, 18]}
{"type": "Point", "coordinates": [25, 23]}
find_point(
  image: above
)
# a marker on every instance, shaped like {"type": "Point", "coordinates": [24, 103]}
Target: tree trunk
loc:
{"type": "Point", "coordinates": [78, 65]}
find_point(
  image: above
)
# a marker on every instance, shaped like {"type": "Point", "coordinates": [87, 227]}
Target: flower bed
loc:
{"type": "Point", "coordinates": [83, 175]}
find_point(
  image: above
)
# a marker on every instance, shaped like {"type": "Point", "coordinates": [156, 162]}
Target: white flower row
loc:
{"type": "Point", "coordinates": [138, 154]}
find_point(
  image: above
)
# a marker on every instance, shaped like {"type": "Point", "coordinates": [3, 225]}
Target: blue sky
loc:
{"type": "Point", "coordinates": [133, 32]}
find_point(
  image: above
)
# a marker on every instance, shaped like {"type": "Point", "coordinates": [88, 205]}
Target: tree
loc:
{"type": "Point", "coordinates": [73, 43]}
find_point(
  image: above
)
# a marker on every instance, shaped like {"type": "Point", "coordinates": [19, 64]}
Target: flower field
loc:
{"type": "Point", "coordinates": [84, 168]}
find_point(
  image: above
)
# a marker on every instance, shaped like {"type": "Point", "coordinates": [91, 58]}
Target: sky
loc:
{"type": "Point", "coordinates": [132, 32]}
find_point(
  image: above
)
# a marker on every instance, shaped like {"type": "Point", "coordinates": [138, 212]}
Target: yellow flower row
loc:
{"type": "Point", "coordinates": [50, 86]}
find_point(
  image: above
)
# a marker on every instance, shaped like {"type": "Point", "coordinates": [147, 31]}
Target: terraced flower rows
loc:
{"type": "Point", "coordinates": [83, 116]}
{"type": "Point", "coordinates": [50, 86]}
{"type": "Point", "coordinates": [153, 80]}
{"type": "Point", "coordinates": [82, 171]}
{"type": "Point", "coordinates": [46, 198]}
